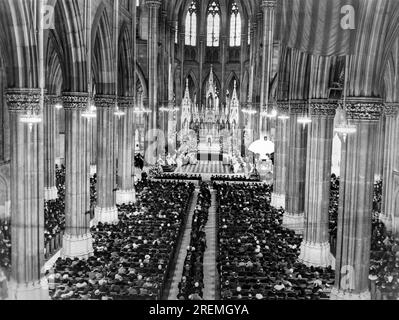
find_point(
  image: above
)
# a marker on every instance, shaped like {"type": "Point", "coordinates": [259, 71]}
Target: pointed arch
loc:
{"type": "Point", "coordinates": [141, 78]}
{"type": "Point", "coordinates": [104, 77]}
{"type": "Point", "coordinates": [230, 82]}
{"type": "Point", "coordinates": [125, 68]}
{"type": "Point", "coordinates": [69, 35]}
{"type": "Point", "coordinates": [193, 84]}
{"type": "Point", "coordinates": [54, 70]}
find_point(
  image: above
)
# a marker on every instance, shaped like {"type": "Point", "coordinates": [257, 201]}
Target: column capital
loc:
{"type": "Point", "coordinates": [153, 3]}
{"type": "Point", "coordinates": [22, 100]}
{"type": "Point", "coordinates": [367, 109]}
{"type": "Point", "coordinates": [75, 100]}
{"type": "Point", "coordinates": [268, 4]}
{"type": "Point", "coordinates": [283, 107]}
{"type": "Point", "coordinates": [52, 99]}
{"type": "Point", "coordinates": [390, 108]}
{"type": "Point", "coordinates": [323, 108]}
{"type": "Point", "coordinates": [125, 102]}
{"type": "Point", "coordinates": [298, 107]}
{"type": "Point", "coordinates": [105, 101]}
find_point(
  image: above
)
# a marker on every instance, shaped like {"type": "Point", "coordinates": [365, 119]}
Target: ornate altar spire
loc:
{"type": "Point", "coordinates": [187, 93]}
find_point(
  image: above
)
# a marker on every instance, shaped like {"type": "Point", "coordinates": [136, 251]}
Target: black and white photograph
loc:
{"type": "Point", "coordinates": [198, 157]}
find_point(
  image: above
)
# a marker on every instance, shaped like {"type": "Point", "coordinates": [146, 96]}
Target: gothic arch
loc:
{"type": "Point", "coordinates": [54, 72]}
{"type": "Point", "coordinates": [70, 39]}
{"type": "Point", "coordinates": [229, 84]}
{"type": "Point", "coordinates": [103, 52]}
{"type": "Point", "coordinates": [193, 85]}
{"type": "Point", "coordinates": [5, 191]}
{"type": "Point", "coordinates": [125, 72]}
{"type": "Point", "coordinates": [141, 78]}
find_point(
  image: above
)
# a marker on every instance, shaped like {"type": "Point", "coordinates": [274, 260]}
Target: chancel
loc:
{"type": "Point", "coordinates": [199, 150]}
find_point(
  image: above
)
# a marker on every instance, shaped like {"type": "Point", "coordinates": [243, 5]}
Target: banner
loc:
{"type": "Point", "coordinates": [320, 27]}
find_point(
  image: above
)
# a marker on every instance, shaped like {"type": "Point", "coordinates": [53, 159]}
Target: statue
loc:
{"type": "Point", "coordinates": [160, 161]}
{"type": "Point", "coordinates": [169, 160]}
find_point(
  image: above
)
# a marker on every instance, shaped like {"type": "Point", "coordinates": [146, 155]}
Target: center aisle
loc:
{"type": "Point", "coordinates": [174, 288]}
{"type": "Point", "coordinates": [210, 270]}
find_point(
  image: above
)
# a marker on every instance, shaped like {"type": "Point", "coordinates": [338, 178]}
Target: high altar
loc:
{"type": "Point", "coordinates": [215, 126]}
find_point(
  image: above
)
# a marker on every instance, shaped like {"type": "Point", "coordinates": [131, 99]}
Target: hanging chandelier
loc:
{"type": "Point", "coordinates": [163, 108]}
{"type": "Point", "coordinates": [141, 110]}
{"type": "Point", "coordinates": [248, 109]}
{"type": "Point", "coordinates": [118, 112]}
{"type": "Point", "coordinates": [305, 119]}
{"type": "Point", "coordinates": [283, 117]}
{"type": "Point", "coordinates": [58, 105]}
{"type": "Point", "coordinates": [272, 114]}
{"type": "Point", "coordinates": [138, 110]}
{"type": "Point", "coordinates": [31, 118]}
{"type": "Point", "coordinates": [344, 128]}
{"type": "Point", "coordinates": [91, 110]}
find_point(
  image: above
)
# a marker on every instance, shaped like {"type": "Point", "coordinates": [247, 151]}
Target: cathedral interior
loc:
{"type": "Point", "coordinates": [199, 150]}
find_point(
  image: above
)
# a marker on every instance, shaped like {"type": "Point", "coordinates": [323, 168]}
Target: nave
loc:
{"type": "Point", "coordinates": [141, 141]}
{"type": "Point", "coordinates": [227, 243]}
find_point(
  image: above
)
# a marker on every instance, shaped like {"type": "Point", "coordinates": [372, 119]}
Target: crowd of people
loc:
{"type": "Point", "coordinates": [384, 251]}
{"type": "Point", "coordinates": [384, 263]}
{"type": "Point", "coordinates": [5, 246]}
{"type": "Point", "coordinates": [257, 256]}
{"type": "Point", "coordinates": [178, 176]}
{"type": "Point", "coordinates": [234, 178]}
{"type": "Point", "coordinates": [333, 211]}
{"type": "Point", "coordinates": [384, 260]}
{"type": "Point", "coordinates": [132, 258]}
{"type": "Point", "coordinates": [192, 283]}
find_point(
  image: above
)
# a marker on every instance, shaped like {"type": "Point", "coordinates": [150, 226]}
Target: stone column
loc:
{"type": "Point", "coordinates": [281, 158]}
{"type": "Point", "coordinates": [50, 124]}
{"type": "Point", "coordinates": [223, 59]}
{"type": "Point", "coordinates": [153, 14]}
{"type": "Point", "coordinates": [27, 199]}
{"type": "Point", "coordinates": [126, 193]}
{"type": "Point", "coordinates": [106, 210]}
{"type": "Point", "coordinates": [295, 197]}
{"type": "Point", "coordinates": [355, 202]}
{"type": "Point", "coordinates": [268, 8]}
{"type": "Point", "coordinates": [391, 151]}
{"type": "Point", "coordinates": [171, 140]}
{"type": "Point", "coordinates": [379, 154]}
{"type": "Point", "coordinates": [93, 145]}
{"type": "Point", "coordinates": [77, 241]}
{"type": "Point", "coordinates": [315, 248]}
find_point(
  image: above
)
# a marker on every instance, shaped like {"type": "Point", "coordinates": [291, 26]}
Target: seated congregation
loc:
{"type": "Point", "coordinates": [132, 259]}
{"type": "Point", "coordinates": [258, 257]}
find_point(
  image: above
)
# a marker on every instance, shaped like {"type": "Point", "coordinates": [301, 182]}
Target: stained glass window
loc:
{"type": "Point", "coordinates": [213, 24]}
{"type": "Point", "coordinates": [235, 26]}
{"type": "Point", "coordinates": [191, 25]}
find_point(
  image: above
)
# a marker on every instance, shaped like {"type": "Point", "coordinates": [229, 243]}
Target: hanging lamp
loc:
{"type": "Point", "coordinates": [117, 112]}
{"type": "Point", "coordinates": [91, 111]}
{"type": "Point", "coordinates": [344, 128]}
{"type": "Point", "coordinates": [33, 115]}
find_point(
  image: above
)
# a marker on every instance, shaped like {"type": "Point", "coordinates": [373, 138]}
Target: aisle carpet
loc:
{"type": "Point", "coordinates": [215, 167]}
